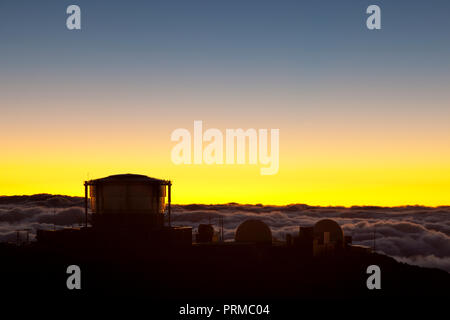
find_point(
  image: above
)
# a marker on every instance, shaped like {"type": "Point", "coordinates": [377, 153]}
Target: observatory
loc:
{"type": "Point", "coordinates": [253, 231]}
{"type": "Point", "coordinates": [205, 233]}
{"type": "Point", "coordinates": [327, 230]}
{"type": "Point", "coordinates": [128, 211]}
{"type": "Point", "coordinates": [128, 200]}
{"type": "Point", "coordinates": [328, 237]}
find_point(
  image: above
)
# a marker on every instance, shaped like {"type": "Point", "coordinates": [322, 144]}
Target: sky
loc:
{"type": "Point", "coordinates": [363, 115]}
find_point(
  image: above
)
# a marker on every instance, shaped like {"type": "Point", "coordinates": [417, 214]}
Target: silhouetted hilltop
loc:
{"type": "Point", "coordinates": [214, 272]}
{"type": "Point", "coordinates": [44, 200]}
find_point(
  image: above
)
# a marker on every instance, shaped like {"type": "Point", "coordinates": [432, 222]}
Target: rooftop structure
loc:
{"type": "Point", "coordinates": [126, 199]}
{"type": "Point", "coordinates": [253, 231]}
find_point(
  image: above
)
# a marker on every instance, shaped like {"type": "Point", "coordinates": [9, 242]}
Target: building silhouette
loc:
{"type": "Point", "coordinates": [133, 212]}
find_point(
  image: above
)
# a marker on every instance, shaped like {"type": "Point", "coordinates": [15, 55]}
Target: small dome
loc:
{"type": "Point", "coordinates": [206, 229]}
{"type": "Point", "coordinates": [253, 231]}
{"type": "Point", "coordinates": [331, 226]}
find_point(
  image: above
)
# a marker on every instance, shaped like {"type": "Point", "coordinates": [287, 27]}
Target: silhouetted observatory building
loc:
{"type": "Point", "coordinates": [128, 201]}
{"type": "Point", "coordinates": [128, 210]}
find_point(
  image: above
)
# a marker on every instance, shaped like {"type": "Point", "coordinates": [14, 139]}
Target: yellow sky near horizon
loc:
{"type": "Point", "coordinates": [345, 153]}
{"type": "Point", "coordinates": [319, 172]}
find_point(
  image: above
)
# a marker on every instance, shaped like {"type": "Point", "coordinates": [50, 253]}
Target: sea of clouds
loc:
{"type": "Point", "coordinates": [411, 234]}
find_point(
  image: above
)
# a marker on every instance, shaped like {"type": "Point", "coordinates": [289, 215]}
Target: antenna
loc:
{"type": "Point", "coordinates": [86, 204]}
{"type": "Point", "coordinates": [28, 234]}
{"type": "Point", "coordinates": [374, 237]}
{"type": "Point", "coordinates": [221, 228]}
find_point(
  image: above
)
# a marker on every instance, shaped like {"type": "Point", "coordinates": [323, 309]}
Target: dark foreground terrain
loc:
{"type": "Point", "coordinates": [213, 272]}
{"type": "Point", "coordinates": [159, 282]}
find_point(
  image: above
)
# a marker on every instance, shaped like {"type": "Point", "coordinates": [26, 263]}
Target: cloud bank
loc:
{"type": "Point", "coordinates": [411, 234]}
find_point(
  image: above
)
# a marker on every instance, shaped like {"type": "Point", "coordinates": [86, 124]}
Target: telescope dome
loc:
{"type": "Point", "coordinates": [336, 233]}
{"type": "Point", "coordinates": [254, 231]}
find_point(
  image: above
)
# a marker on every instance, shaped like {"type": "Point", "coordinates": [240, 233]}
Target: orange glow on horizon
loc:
{"type": "Point", "coordinates": [318, 178]}
{"type": "Point", "coordinates": [326, 158]}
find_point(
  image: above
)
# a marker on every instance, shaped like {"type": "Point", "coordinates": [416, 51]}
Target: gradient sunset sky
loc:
{"type": "Point", "coordinates": [364, 116]}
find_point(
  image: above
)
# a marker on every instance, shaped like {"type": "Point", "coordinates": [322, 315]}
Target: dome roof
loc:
{"type": "Point", "coordinates": [331, 226]}
{"type": "Point", "coordinates": [128, 178]}
{"type": "Point", "coordinates": [253, 231]}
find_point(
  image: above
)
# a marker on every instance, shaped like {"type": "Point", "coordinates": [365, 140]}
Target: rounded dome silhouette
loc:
{"type": "Point", "coordinates": [253, 231]}
{"type": "Point", "coordinates": [206, 229]}
{"type": "Point", "coordinates": [331, 226]}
